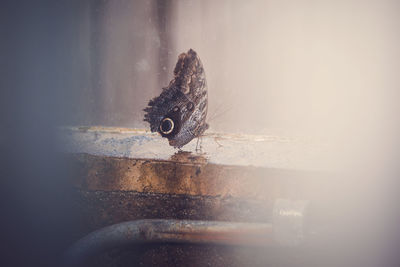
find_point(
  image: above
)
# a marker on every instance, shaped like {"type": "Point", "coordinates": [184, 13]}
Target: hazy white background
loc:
{"type": "Point", "coordinates": [327, 70]}
{"type": "Point", "coordinates": [292, 66]}
{"type": "Point", "coordinates": [317, 69]}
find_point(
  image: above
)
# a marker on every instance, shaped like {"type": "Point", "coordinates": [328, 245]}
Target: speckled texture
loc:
{"type": "Point", "coordinates": [169, 255]}
{"type": "Point", "coordinates": [99, 209]}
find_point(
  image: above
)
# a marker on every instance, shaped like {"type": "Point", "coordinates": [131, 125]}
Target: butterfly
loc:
{"type": "Point", "coordinates": [179, 112]}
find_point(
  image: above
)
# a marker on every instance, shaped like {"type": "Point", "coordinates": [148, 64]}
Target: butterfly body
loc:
{"type": "Point", "coordinates": [179, 112]}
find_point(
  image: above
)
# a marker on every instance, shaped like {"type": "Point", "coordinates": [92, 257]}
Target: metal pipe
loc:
{"type": "Point", "coordinates": [287, 229]}
{"type": "Point", "coordinates": [175, 231]}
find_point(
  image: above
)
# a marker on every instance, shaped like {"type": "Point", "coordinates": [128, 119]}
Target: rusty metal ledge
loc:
{"type": "Point", "coordinates": [195, 178]}
{"type": "Point", "coordinates": [130, 174]}
{"type": "Point", "coordinates": [239, 166]}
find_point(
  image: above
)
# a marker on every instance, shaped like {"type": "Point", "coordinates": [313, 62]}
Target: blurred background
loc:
{"type": "Point", "coordinates": [320, 69]}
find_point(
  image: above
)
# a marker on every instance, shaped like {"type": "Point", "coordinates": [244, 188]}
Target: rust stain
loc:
{"type": "Point", "coordinates": [182, 175]}
{"type": "Point", "coordinates": [255, 237]}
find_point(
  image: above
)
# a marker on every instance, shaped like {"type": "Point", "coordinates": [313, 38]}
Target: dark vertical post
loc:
{"type": "Point", "coordinates": [164, 13]}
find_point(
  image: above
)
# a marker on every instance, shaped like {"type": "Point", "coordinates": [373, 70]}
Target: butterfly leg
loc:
{"type": "Point", "coordinates": [197, 144]}
{"type": "Point", "coordinates": [216, 141]}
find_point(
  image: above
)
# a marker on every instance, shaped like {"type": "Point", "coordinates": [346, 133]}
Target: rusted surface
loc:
{"type": "Point", "coordinates": [211, 232]}
{"type": "Point", "coordinates": [189, 176]}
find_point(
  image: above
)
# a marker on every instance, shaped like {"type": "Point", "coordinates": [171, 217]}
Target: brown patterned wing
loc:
{"type": "Point", "coordinates": [179, 113]}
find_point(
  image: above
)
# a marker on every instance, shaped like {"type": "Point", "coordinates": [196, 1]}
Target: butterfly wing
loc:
{"type": "Point", "coordinates": [179, 113]}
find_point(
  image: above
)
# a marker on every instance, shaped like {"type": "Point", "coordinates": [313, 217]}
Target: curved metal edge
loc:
{"type": "Point", "coordinates": [288, 229]}
{"type": "Point", "coordinates": [173, 231]}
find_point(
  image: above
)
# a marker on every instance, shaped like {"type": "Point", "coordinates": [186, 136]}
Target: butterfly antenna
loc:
{"type": "Point", "coordinates": [217, 115]}
{"type": "Point", "coordinates": [217, 110]}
